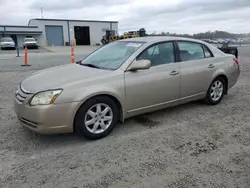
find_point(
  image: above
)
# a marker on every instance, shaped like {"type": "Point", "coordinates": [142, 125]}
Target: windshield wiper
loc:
{"type": "Point", "coordinates": [91, 65]}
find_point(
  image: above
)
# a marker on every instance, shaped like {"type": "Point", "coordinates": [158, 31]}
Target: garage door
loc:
{"type": "Point", "coordinates": [54, 35]}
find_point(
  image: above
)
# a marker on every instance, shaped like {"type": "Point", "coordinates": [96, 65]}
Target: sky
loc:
{"type": "Point", "coordinates": [174, 16]}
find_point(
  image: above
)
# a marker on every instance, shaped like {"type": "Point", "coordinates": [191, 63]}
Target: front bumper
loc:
{"type": "Point", "coordinates": [8, 46]}
{"type": "Point", "coordinates": [30, 45]}
{"type": "Point", "coordinates": [47, 119]}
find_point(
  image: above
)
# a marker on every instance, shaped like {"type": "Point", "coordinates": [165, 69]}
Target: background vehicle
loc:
{"type": "Point", "coordinates": [7, 43]}
{"type": "Point", "coordinates": [111, 35]}
{"type": "Point", "coordinates": [30, 43]}
{"type": "Point", "coordinates": [229, 49]}
{"type": "Point", "coordinates": [124, 79]}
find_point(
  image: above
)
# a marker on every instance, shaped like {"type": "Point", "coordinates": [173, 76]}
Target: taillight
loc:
{"type": "Point", "coordinates": [236, 60]}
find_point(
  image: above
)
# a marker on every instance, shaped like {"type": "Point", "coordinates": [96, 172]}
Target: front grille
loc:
{"type": "Point", "coordinates": [21, 94]}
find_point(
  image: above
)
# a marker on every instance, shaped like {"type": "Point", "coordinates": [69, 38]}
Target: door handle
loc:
{"type": "Point", "coordinates": [174, 73]}
{"type": "Point", "coordinates": [211, 66]}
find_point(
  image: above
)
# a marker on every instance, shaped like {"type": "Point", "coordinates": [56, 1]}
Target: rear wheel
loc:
{"type": "Point", "coordinates": [96, 118]}
{"type": "Point", "coordinates": [216, 91]}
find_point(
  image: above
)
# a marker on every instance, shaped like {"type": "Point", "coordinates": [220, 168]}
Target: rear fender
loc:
{"type": "Point", "coordinates": [217, 73]}
{"type": "Point", "coordinates": [221, 72]}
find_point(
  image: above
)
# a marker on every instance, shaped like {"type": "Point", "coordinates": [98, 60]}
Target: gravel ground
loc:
{"type": "Point", "coordinates": [192, 145]}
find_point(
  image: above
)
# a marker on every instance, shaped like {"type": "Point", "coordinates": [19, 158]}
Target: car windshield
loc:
{"type": "Point", "coordinates": [111, 56]}
{"type": "Point", "coordinates": [29, 40]}
{"type": "Point", "coordinates": [7, 40]}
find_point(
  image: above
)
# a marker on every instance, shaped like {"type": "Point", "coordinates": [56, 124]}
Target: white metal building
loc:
{"type": "Point", "coordinates": [83, 32]}
{"type": "Point", "coordinates": [60, 32]}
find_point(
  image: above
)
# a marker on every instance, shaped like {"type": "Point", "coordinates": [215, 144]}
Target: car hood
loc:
{"type": "Point", "coordinates": [7, 43]}
{"type": "Point", "coordinates": [61, 77]}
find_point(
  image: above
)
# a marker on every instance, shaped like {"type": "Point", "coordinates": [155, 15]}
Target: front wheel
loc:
{"type": "Point", "coordinates": [216, 91]}
{"type": "Point", "coordinates": [103, 42]}
{"type": "Point", "coordinates": [96, 118]}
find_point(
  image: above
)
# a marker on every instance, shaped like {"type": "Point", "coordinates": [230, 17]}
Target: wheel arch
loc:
{"type": "Point", "coordinates": [226, 80]}
{"type": "Point", "coordinates": [114, 98]}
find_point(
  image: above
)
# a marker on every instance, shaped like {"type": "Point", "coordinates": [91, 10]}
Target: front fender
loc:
{"type": "Point", "coordinates": [118, 94]}
{"type": "Point", "coordinates": [113, 86]}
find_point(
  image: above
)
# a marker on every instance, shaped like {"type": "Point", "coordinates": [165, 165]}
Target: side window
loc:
{"type": "Point", "coordinates": [159, 54]}
{"type": "Point", "coordinates": [208, 54]}
{"type": "Point", "coordinates": [190, 51]}
{"type": "Point", "coordinates": [153, 50]}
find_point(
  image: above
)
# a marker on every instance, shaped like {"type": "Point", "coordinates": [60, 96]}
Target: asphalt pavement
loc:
{"type": "Point", "coordinates": [38, 60]}
{"type": "Point", "coordinates": [192, 145]}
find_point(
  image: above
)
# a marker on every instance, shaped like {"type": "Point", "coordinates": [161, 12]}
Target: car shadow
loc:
{"type": "Point", "coordinates": [148, 120]}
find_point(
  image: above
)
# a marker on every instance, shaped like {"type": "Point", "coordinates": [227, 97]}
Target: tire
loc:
{"type": "Point", "coordinates": [219, 84]}
{"type": "Point", "coordinates": [103, 42]}
{"type": "Point", "coordinates": [95, 129]}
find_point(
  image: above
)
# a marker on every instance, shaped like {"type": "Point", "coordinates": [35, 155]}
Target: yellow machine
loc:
{"type": "Point", "coordinates": [131, 34]}
{"type": "Point", "coordinates": [111, 35]}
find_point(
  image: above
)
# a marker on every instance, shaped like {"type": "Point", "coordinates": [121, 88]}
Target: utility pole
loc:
{"type": "Point", "coordinates": [42, 12]}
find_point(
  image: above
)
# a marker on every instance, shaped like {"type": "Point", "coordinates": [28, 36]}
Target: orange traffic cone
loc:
{"type": "Point", "coordinates": [72, 53]}
{"type": "Point", "coordinates": [25, 58]}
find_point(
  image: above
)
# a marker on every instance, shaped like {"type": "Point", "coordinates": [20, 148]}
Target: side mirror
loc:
{"type": "Point", "coordinates": [140, 65]}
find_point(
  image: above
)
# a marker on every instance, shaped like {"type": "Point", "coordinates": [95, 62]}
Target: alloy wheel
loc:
{"type": "Point", "coordinates": [98, 118]}
{"type": "Point", "coordinates": [216, 90]}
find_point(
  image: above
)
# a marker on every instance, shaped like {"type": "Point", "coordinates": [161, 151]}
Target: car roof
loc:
{"type": "Point", "coordinates": [154, 39]}
{"type": "Point", "coordinates": [159, 39]}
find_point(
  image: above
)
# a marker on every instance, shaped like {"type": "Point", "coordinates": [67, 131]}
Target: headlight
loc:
{"type": "Point", "coordinates": [45, 97]}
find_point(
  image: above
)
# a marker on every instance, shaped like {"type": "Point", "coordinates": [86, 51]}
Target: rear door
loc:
{"type": "Point", "coordinates": [197, 66]}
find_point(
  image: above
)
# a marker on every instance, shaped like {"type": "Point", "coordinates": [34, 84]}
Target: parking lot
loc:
{"type": "Point", "coordinates": [192, 145]}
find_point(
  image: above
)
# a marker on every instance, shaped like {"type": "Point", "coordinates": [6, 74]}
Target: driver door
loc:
{"type": "Point", "coordinates": [156, 87]}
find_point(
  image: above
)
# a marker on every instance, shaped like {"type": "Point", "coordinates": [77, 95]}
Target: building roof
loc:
{"type": "Point", "coordinates": [19, 29]}
{"type": "Point", "coordinates": [44, 19]}
{"type": "Point", "coordinates": [19, 26]}
{"type": "Point", "coordinates": [21, 32]}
